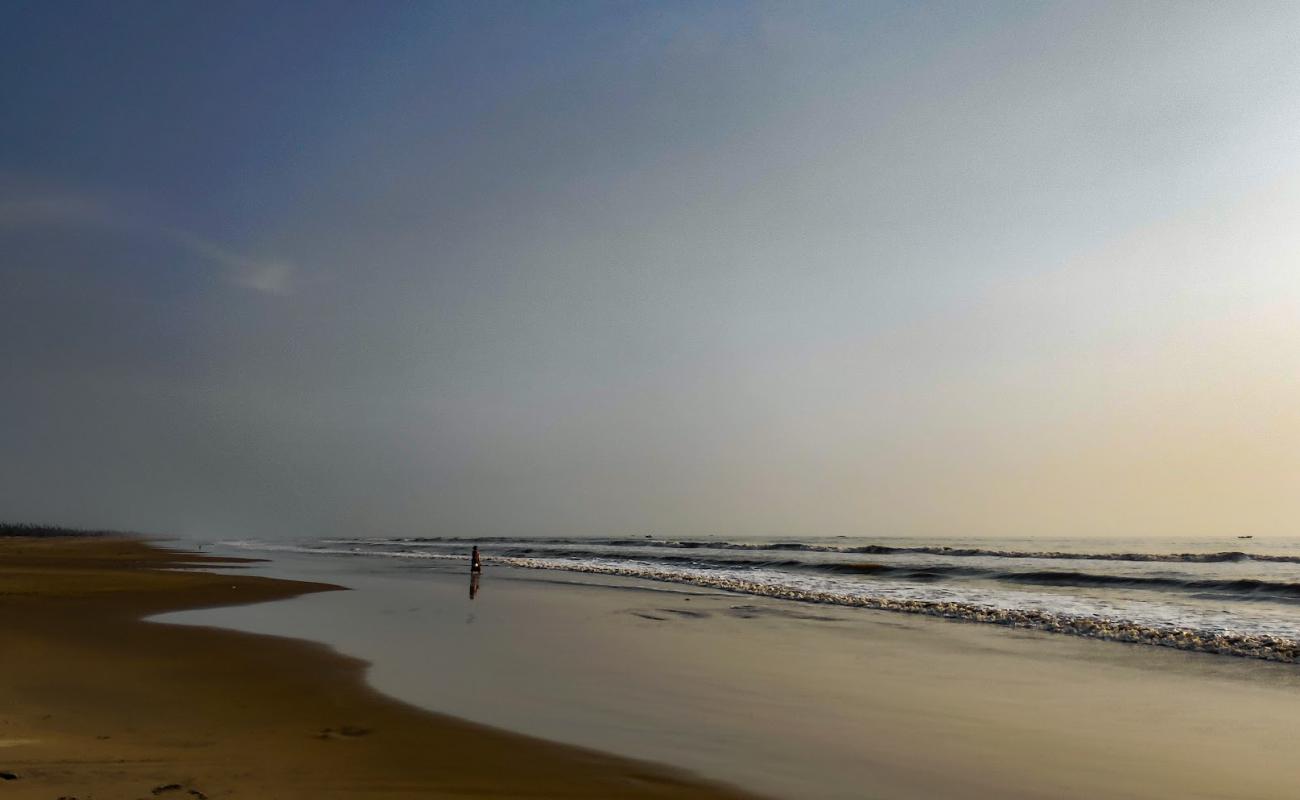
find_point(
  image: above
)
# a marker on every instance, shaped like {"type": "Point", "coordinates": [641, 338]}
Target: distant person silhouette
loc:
{"type": "Point", "coordinates": [475, 564]}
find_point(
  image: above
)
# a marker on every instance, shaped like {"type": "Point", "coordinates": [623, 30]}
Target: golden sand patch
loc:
{"type": "Point", "coordinates": [126, 708]}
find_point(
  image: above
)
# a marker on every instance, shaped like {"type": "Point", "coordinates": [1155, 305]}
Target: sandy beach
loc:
{"type": "Point", "coordinates": [100, 704]}
{"type": "Point", "coordinates": [794, 699]}
{"type": "Point", "coordinates": [649, 401]}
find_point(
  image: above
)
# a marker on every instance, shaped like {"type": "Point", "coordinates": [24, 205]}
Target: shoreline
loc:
{"type": "Point", "coordinates": [1253, 646]}
{"type": "Point", "coordinates": [1106, 627]}
{"type": "Point", "coordinates": [103, 703]}
{"type": "Point", "coordinates": [793, 700]}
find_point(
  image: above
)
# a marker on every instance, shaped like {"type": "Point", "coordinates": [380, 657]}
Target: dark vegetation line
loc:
{"type": "Point", "coordinates": [12, 529]}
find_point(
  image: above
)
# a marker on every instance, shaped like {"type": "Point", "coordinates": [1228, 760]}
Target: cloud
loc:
{"type": "Point", "coordinates": [274, 277]}
{"type": "Point", "coordinates": [38, 209]}
{"type": "Point", "coordinates": [265, 276]}
{"type": "Point", "coordinates": [49, 209]}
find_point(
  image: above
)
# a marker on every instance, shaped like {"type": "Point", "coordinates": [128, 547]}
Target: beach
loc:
{"type": "Point", "coordinates": [134, 667]}
{"type": "Point", "coordinates": [792, 699]}
{"type": "Point", "coordinates": [98, 703]}
{"type": "Point", "coordinates": [649, 401]}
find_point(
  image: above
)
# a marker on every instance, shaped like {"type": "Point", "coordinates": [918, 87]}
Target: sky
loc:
{"type": "Point", "coordinates": [469, 269]}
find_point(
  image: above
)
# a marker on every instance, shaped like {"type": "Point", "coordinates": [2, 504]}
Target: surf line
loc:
{"type": "Point", "coordinates": [1260, 646]}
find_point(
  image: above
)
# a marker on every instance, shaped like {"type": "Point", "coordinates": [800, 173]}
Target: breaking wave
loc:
{"type": "Point", "coordinates": [869, 549]}
{"type": "Point", "coordinates": [1156, 605]}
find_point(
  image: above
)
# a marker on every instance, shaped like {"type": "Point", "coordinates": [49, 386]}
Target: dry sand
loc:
{"type": "Point", "coordinates": [96, 703]}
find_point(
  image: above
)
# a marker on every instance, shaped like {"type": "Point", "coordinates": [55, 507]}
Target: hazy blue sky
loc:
{"type": "Point", "coordinates": [738, 268]}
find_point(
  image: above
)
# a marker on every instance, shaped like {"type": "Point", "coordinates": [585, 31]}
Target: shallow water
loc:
{"type": "Point", "coordinates": [795, 699]}
{"type": "Point", "coordinates": [1238, 596]}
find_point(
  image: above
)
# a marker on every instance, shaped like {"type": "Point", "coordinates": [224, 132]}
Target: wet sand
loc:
{"type": "Point", "coordinates": [801, 700]}
{"type": "Point", "coordinates": [96, 703]}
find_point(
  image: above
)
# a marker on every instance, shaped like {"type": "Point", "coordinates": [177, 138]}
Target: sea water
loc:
{"type": "Point", "coordinates": [779, 664]}
{"type": "Point", "coordinates": [1238, 596]}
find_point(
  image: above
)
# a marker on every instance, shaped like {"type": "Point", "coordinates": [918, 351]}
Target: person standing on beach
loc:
{"type": "Point", "coordinates": [475, 565]}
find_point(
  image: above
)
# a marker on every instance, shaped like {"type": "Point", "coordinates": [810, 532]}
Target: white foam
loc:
{"type": "Point", "coordinates": [1187, 627]}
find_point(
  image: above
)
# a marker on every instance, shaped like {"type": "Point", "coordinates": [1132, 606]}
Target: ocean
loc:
{"type": "Point", "coordinates": [1238, 596]}
{"type": "Point", "coordinates": [833, 668]}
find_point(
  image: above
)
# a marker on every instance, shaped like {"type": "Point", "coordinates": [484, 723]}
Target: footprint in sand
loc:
{"type": "Point", "coordinates": [681, 612]}
{"type": "Point", "coordinates": [345, 732]}
{"type": "Point", "coordinates": [670, 613]}
{"type": "Point", "coordinates": [176, 787]}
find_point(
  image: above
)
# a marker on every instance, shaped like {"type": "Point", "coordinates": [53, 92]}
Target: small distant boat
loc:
{"type": "Point", "coordinates": [1245, 537]}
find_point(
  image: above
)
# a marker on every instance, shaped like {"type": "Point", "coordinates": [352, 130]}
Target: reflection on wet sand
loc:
{"type": "Point", "coordinates": [473, 585]}
{"type": "Point", "coordinates": [863, 703]}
